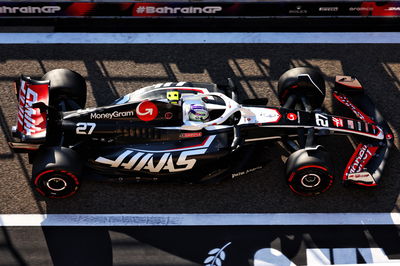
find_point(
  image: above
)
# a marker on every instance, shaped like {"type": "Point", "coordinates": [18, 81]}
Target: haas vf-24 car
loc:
{"type": "Point", "coordinates": [193, 132]}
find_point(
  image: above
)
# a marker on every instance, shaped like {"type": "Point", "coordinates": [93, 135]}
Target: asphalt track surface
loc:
{"type": "Point", "coordinates": [114, 70]}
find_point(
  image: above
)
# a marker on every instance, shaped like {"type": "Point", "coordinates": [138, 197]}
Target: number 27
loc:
{"type": "Point", "coordinates": [85, 128]}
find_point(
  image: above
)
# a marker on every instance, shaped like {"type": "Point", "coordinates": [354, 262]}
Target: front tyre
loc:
{"type": "Point", "coordinates": [56, 172]}
{"type": "Point", "coordinates": [302, 82]}
{"type": "Point", "coordinates": [308, 171]}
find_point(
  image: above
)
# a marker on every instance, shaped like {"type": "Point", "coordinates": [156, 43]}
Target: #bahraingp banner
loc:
{"type": "Point", "coordinates": [214, 10]}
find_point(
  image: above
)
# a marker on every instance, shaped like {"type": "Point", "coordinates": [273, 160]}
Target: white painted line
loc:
{"type": "Point", "coordinates": [204, 38]}
{"type": "Point", "coordinates": [199, 219]}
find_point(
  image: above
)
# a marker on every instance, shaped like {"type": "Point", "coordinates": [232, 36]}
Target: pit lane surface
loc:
{"type": "Point", "coordinates": [114, 70]}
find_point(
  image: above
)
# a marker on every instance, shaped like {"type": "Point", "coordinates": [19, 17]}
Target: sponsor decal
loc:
{"type": "Point", "coordinates": [29, 9]}
{"type": "Point", "coordinates": [362, 155]}
{"type": "Point", "coordinates": [191, 135]}
{"type": "Point", "coordinates": [30, 120]}
{"type": "Point", "coordinates": [216, 256]}
{"type": "Point", "coordinates": [298, 10]}
{"type": "Point", "coordinates": [329, 9]}
{"type": "Point", "coordinates": [361, 177]}
{"type": "Point", "coordinates": [168, 115]}
{"type": "Point", "coordinates": [266, 115]}
{"type": "Point", "coordinates": [361, 9]}
{"type": "Point", "coordinates": [350, 124]}
{"type": "Point", "coordinates": [26, 98]}
{"type": "Point", "coordinates": [145, 161]}
{"type": "Point", "coordinates": [173, 96]}
{"type": "Point", "coordinates": [392, 8]}
{"type": "Point", "coordinates": [112, 115]}
{"type": "Point", "coordinates": [146, 111]}
{"type": "Point", "coordinates": [246, 172]}
{"type": "Point", "coordinates": [337, 122]}
{"type": "Point", "coordinates": [291, 116]}
{"type": "Point", "coordinates": [275, 115]}
{"type": "Point", "coordinates": [151, 10]}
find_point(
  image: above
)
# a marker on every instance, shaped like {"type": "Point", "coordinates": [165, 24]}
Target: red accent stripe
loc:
{"type": "Point", "coordinates": [291, 176]}
{"type": "Point", "coordinates": [42, 173]}
{"type": "Point", "coordinates": [366, 118]}
{"type": "Point", "coordinates": [40, 191]}
{"type": "Point", "coordinates": [283, 96]}
{"type": "Point", "coordinates": [186, 89]}
{"type": "Point", "coordinates": [304, 167]}
{"type": "Point", "coordinates": [365, 185]}
{"type": "Point", "coordinates": [198, 145]}
{"type": "Point", "coordinates": [330, 184]}
{"type": "Point", "coordinates": [54, 170]}
{"type": "Point", "coordinates": [309, 166]}
{"type": "Point", "coordinates": [71, 175]}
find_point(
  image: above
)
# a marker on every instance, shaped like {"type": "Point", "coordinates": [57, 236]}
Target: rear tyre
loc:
{"type": "Point", "coordinates": [56, 172]}
{"type": "Point", "coordinates": [308, 171]}
{"type": "Point", "coordinates": [302, 81]}
{"type": "Point", "coordinates": [66, 87]}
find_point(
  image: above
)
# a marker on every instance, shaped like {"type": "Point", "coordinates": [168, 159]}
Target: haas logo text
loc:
{"type": "Point", "coordinates": [144, 161]}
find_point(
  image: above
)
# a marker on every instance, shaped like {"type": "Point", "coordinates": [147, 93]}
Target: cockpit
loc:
{"type": "Point", "coordinates": [198, 107]}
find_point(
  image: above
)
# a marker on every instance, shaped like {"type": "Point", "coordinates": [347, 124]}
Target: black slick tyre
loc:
{"type": "Point", "coordinates": [56, 172]}
{"type": "Point", "coordinates": [66, 86]}
{"type": "Point", "coordinates": [308, 171]}
{"type": "Point", "coordinates": [302, 81]}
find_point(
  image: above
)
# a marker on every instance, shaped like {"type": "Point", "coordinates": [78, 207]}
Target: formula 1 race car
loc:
{"type": "Point", "coordinates": [193, 132]}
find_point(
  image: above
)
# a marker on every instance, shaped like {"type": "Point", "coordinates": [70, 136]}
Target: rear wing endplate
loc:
{"type": "Point", "coordinates": [31, 125]}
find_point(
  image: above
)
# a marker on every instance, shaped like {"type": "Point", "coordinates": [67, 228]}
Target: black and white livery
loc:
{"type": "Point", "coordinates": [193, 132]}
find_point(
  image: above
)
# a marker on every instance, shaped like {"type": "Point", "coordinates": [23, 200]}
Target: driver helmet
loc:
{"type": "Point", "coordinates": [198, 112]}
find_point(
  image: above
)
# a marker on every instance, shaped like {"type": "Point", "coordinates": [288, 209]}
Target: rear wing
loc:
{"type": "Point", "coordinates": [31, 128]}
{"type": "Point", "coordinates": [366, 164]}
